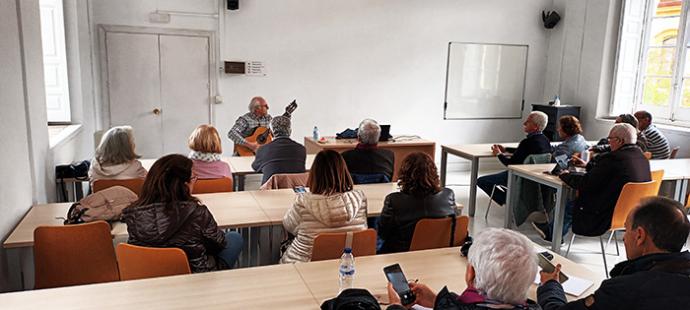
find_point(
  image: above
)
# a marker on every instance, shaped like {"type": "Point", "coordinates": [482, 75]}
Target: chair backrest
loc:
{"type": "Point", "coordinates": [137, 262]}
{"type": "Point", "coordinates": [331, 245]}
{"type": "Point", "coordinates": [537, 159]}
{"type": "Point", "coordinates": [658, 175]}
{"type": "Point", "coordinates": [674, 152]}
{"type": "Point", "coordinates": [371, 178]}
{"type": "Point", "coordinates": [647, 155]}
{"type": "Point", "coordinates": [205, 186]}
{"type": "Point", "coordinates": [629, 198]}
{"type": "Point", "coordinates": [285, 180]}
{"type": "Point", "coordinates": [74, 255]}
{"type": "Point", "coordinates": [134, 185]}
{"type": "Point", "coordinates": [435, 233]}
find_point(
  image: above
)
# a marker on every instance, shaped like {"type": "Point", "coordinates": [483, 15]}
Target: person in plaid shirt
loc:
{"type": "Point", "coordinates": [246, 124]}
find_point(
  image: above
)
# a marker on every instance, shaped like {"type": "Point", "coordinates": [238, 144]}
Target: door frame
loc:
{"type": "Point", "coordinates": [104, 29]}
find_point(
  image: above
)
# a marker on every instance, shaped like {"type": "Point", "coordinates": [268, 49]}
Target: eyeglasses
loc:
{"type": "Point", "coordinates": [611, 138]}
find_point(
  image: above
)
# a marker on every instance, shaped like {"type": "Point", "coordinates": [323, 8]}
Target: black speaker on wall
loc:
{"type": "Point", "coordinates": [233, 4]}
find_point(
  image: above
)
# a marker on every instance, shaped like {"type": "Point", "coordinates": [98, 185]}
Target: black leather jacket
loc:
{"type": "Point", "coordinates": [401, 212]}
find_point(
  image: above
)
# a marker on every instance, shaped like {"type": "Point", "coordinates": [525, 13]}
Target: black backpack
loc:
{"type": "Point", "coordinates": [352, 299]}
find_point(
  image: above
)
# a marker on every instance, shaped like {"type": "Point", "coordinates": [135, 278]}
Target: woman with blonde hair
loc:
{"type": "Point", "coordinates": [207, 153]}
{"type": "Point", "coordinates": [115, 158]}
{"type": "Point", "coordinates": [332, 205]}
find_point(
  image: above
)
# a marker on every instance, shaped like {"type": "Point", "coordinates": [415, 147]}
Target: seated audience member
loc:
{"type": "Point", "coordinates": [603, 144]}
{"type": "Point", "coordinates": [501, 266]}
{"type": "Point", "coordinates": [569, 130]}
{"type": "Point", "coordinates": [332, 205]}
{"type": "Point", "coordinates": [656, 274]}
{"type": "Point", "coordinates": [115, 157]}
{"type": "Point", "coordinates": [657, 143]}
{"type": "Point", "coordinates": [367, 159]}
{"type": "Point", "coordinates": [167, 215]}
{"type": "Point", "coordinates": [535, 143]}
{"type": "Point", "coordinates": [207, 153]}
{"type": "Point", "coordinates": [421, 196]}
{"type": "Point", "coordinates": [282, 155]}
{"type": "Point", "coordinates": [599, 187]}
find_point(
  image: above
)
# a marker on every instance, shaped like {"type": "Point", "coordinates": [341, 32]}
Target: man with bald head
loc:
{"type": "Point", "coordinates": [656, 274]}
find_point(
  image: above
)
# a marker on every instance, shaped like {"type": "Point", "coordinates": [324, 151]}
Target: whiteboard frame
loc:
{"type": "Point", "coordinates": [524, 82]}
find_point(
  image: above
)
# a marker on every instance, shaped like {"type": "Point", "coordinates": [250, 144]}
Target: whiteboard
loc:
{"type": "Point", "coordinates": [485, 80]}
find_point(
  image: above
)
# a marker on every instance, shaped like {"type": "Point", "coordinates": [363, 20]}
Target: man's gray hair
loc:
{"type": "Point", "coordinates": [369, 132]}
{"type": "Point", "coordinates": [624, 131]}
{"type": "Point", "coordinates": [255, 102]}
{"type": "Point", "coordinates": [116, 147]}
{"type": "Point", "coordinates": [538, 118]}
{"type": "Point", "coordinates": [505, 264]}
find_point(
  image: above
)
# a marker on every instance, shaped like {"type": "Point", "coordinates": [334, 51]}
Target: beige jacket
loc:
{"type": "Point", "coordinates": [313, 214]}
{"type": "Point", "coordinates": [130, 170]}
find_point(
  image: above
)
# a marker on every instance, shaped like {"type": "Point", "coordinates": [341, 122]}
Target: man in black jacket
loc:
{"type": "Point", "coordinates": [598, 189]}
{"type": "Point", "coordinates": [367, 160]}
{"type": "Point", "coordinates": [656, 274]}
{"type": "Point", "coordinates": [282, 155]}
{"type": "Point", "coordinates": [535, 143]}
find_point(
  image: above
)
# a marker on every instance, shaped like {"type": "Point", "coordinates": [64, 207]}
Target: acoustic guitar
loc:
{"type": "Point", "coordinates": [262, 135]}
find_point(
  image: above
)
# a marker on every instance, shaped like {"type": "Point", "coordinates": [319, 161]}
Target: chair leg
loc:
{"type": "Point", "coordinates": [608, 242]}
{"type": "Point", "coordinates": [569, 244]}
{"type": "Point", "coordinates": [615, 239]}
{"type": "Point", "coordinates": [603, 255]}
{"type": "Point", "coordinates": [491, 198]}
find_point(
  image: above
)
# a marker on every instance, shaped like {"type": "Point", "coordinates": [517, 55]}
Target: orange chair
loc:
{"type": "Point", "coordinates": [74, 255]}
{"type": "Point", "coordinates": [205, 186]}
{"type": "Point", "coordinates": [137, 262]}
{"type": "Point", "coordinates": [658, 175]}
{"type": "Point", "coordinates": [331, 245]}
{"type": "Point", "coordinates": [628, 199]}
{"type": "Point", "coordinates": [134, 185]}
{"type": "Point", "coordinates": [435, 233]}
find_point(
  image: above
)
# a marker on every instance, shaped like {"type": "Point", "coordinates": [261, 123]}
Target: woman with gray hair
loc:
{"type": "Point", "coordinates": [115, 157]}
{"type": "Point", "coordinates": [500, 269]}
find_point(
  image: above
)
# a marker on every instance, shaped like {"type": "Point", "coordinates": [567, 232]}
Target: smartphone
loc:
{"type": "Point", "coordinates": [299, 189]}
{"type": "Point", "coordinates": [548, 266]}
{"type": "Point", "coordinates": [397, 279]}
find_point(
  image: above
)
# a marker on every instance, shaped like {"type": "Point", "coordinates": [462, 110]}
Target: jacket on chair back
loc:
{"type": "Point", "coordinates": [401, 212]}
{"type": "Point", "coordinates": [312, 214]}
{"type": "Point", "coordinates": [185, 225]}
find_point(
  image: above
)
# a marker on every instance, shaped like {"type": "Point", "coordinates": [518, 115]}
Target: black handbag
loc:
{"type": "Point", "coordinates": [78, 171]}
{"type": "Point", "coordinates": [352, 299]}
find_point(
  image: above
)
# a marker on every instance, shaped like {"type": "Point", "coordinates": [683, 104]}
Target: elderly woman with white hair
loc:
{"type": "Point", "coordinates": [368, 162]}
{"type": "Point", "coordinates": [115, 157]}
{"type": "Point", "coordinates": [598, 188]}
{"type": "Point", "coordinates": [535, 143]}
{"type": "Point", "coordinates": [501, 267]}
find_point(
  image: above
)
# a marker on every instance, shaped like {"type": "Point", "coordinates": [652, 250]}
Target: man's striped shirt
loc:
{"type": "Point", "coordinates": [657, 143]}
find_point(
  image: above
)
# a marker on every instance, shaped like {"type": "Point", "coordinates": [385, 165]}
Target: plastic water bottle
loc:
{"type": "Point", "coordinates": [557, 101]}
{"type": "Point", "coordinates": [316, 133]}
{"type": "Point", "coordinates": [346, 272]}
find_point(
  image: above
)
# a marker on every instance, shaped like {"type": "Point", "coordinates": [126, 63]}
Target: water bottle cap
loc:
{"type": "Point", "coordinates": [347, 250]}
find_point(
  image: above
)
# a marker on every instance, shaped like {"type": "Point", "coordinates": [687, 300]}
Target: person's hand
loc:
{"type": "Point", "coordinates": [548, 276]}
{"type": "Point", "coordinates": [576, 161]}
{"type": "Point", "coordinates": [393, 298]}
{"type": "Point", "coordinates": [497, 149]}
{"type": "Point", "coordinates": [425, 297]}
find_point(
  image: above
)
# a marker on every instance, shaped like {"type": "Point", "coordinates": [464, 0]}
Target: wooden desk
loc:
{"type": "Point", "coordinates": [400, 149]}
{"type": "Point", "coordinates": [248, 288]}
{"type": "Point", "coordinates": [241, 166]}
{"type": "Point", "coordinates": [436, 268]}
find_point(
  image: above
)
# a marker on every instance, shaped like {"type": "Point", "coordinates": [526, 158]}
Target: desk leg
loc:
{"type": "Point", "coordinates": [15, 270]}
{"type": "Point", "coordinates": [511, 199]}
{"type": "Point", "coordinates": [444, 166]}
{"type": "Point", "coordinates": [473, 185]}
{"type": "Point", "coordinates": [240, 182]}
{"type": "Point", "coordinates": [558, 214]}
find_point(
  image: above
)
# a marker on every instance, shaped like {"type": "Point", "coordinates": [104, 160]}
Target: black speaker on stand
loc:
{"type": "Point", "coordinates": [233, 5]}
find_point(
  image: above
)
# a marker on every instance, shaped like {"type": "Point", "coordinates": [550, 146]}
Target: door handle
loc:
{"type": "Point", "coordinates": [156, 111]}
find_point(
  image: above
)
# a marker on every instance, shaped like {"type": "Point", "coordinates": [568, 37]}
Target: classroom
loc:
{"type": "Point", "coordinates": [443, 154]}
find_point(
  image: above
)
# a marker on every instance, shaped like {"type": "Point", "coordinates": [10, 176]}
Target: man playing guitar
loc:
{"type": "Point", "coordinates": [251, 129]}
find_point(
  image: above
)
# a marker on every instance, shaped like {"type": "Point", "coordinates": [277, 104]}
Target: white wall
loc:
{"type": "Point", "coordinates": [347, 60]}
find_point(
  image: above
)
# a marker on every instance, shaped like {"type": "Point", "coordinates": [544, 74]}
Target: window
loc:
{"type": "Point", "coordinates": [55, 61]}
{"type": "Point", "coordinates": [652, 72]}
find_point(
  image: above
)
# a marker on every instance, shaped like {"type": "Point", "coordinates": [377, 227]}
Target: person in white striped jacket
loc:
{"type": "Point", "coordinates": [657, 142]}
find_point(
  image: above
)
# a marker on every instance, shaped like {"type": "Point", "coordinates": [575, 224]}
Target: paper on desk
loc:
{"type": "Point", "coordinates": [574, 286]}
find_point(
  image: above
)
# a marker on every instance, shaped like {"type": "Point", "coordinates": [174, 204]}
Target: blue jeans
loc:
{"type": "Point", "coordinates": [233, 247]}
{"type": "Point", "coordinates": [567, 219]}
{"type": "Point", "coordinates": [487, 182]}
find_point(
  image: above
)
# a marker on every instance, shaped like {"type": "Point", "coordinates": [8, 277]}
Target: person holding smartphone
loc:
{"type": "Point", "coordinates": [501, 267]}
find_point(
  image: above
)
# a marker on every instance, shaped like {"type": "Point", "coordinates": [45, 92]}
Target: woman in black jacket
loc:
{"type": "Point", "coordinates": [420, 196]}
{"type": "Point", "coordinates": [167, 215]}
